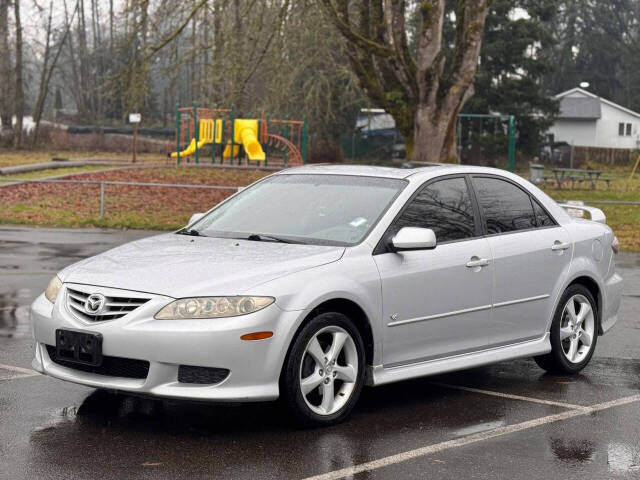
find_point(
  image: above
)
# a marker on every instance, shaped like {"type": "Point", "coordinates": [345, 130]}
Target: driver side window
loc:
{"type": "Point", "coordinates": [443, 206]}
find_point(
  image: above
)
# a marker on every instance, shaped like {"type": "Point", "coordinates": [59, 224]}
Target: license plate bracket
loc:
{"type": "Point", "coordinates": [79, 346]}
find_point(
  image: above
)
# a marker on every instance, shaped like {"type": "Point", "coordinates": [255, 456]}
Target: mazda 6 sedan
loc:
{"type": "Point", "coordinates": [317, 280]}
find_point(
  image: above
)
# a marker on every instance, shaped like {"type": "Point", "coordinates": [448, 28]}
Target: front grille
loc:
{"type": "Point", "coordinates": [114, 307]}
{"type": "Point", "coordinates": [110, 367]}
{"type": "Point", "coordinates": [201, 375]}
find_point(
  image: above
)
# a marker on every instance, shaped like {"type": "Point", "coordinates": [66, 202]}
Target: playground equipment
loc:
{"type": "Point", "coordinates": [205, 138]}
{"type": "Point", "coordinates": [264, 140]}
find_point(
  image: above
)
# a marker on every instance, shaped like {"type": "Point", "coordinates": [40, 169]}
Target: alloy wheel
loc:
{"type": "Point", "coordinates": [328, 370]}
{"type": "Point", "coordinates": [577, 328]}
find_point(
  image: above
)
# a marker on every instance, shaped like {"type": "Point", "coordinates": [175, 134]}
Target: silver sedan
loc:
{"type": "Point", "coordinates": [317, 280]}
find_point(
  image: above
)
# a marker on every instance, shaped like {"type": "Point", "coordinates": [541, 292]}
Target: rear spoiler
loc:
{"type": "Point", "coordinates": [595, 214]}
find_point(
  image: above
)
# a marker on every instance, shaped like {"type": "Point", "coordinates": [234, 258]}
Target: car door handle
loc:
{"type": "Point", "coordinates": [477, 262]}
{"type": "Point", "coordinates": [557, 245]}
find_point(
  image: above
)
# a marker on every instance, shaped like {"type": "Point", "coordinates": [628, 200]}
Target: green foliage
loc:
{"type": "Point", "coordinates": [511, 70]}
{"type": "Point", "coordinates": [597, 42]}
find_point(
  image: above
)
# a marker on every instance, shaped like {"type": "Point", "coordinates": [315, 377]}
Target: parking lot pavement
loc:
{"type": "Point", "coordinates": [503, 421]}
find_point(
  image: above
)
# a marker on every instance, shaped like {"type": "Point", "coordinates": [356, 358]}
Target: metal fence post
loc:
{"type": "Point", "coordinates": [512, 143]}
{"type": "Point", "coordinates": [305, 137]}
{"type": "Point", "coordinates": [178, 146]}
{"type": "Point", "coordinates": [196, 131]}
{"type": "Point", "coordinates": [101, 200]}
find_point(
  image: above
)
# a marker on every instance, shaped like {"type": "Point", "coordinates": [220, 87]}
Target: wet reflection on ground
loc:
{"type": "Point", "coordinates": [623, 457]}
{"type": "Point", "coordinates": [263, 437]}
{"type": "Point", "coordinates": [573, 451]}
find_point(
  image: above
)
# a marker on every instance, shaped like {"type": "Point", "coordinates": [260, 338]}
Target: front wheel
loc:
{"type": "Point", "coordinates": [574, 332]}
{"type": "Point", "coordinates": [324, 371]}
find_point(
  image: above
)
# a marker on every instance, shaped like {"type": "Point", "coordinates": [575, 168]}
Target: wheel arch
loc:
{"type": "Point", "coordinates": [349, 308]}
{"type": "Point", "coordinates": [594, 288]}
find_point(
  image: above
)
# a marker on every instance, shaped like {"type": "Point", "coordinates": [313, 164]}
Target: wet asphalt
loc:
{"type": "Point", "coordinates": [509, 420]}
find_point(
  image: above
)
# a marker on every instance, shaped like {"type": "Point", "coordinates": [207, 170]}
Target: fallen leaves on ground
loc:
{"type": "Point", "coordinates": [69, 205]}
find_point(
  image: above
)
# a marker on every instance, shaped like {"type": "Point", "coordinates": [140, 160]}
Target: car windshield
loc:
{"type": "Point", "coordinates": [298, 208]}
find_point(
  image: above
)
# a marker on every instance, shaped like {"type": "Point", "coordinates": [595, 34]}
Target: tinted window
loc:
{"type": "Point", "coordinates": [445, 207]}
{"type": "Point", "coordinates": [506, 207]}
{"type": "Point", "coordinates": [544, 220]}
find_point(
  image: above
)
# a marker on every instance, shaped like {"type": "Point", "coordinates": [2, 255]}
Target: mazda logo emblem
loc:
{"type": "Point", "coordinates": [94, 303]}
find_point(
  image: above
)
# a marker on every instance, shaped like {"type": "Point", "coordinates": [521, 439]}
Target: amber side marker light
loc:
{"type": "Point", "coordinates": [256, 336]}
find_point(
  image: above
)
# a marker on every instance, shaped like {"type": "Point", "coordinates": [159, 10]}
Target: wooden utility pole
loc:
{"type": "Point", "coordinates": [135, 141]}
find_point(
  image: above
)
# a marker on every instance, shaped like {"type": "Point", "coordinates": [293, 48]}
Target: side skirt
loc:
{"type": "Point", "coordinates": [379, 375]}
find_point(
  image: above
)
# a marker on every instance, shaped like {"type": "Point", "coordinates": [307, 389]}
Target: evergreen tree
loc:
{"type": "Point", "coordinates": [511, 70]}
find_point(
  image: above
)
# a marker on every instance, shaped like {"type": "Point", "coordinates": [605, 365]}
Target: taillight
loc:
{"type": "Point", "coordinates": [615, 244]}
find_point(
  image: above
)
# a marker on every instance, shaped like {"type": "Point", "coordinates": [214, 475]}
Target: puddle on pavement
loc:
{"type": "Point", "coordinates": [14, 313]}
{"type": "Point", "coordinates": [623, 457]}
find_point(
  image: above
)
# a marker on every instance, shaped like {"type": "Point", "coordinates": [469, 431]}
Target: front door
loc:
{"type": "Point", "coordinates": [437, 302]}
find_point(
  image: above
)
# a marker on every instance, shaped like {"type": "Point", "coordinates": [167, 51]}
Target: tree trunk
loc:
{"type": "Point", "coordinates": [6, 110]}
{"type": "Point", "coordinates": [424, 93]}
{"type": "Point", "coordinates": [39, 106]}
{"type": "Point", "coordinates": [19, 92]}
{"type": "Point", "coordinates": [434, 135]}
{"type": "Point", "coordinates": [47, 72]}
{"type": "Point", "coordinates": [111, 26]}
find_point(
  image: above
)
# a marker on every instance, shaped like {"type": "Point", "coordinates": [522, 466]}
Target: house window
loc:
{"type": "Point", "coordinates": [628, 132]}
{"type": "Point", "coordinates": [621, 129]}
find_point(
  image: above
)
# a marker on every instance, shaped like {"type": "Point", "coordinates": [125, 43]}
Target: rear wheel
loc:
{"type": "Point", "coordinates": [574, 332]}
{"type": "Point", "coordinates": [324, 371]}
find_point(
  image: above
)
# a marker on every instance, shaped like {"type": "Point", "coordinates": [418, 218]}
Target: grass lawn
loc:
{"type": "Point", "coordinates": [162, 208]}
{"type": "Point", "coordinates": [623, 219]}
{"type": "Point", "coordinates": [10, 158]}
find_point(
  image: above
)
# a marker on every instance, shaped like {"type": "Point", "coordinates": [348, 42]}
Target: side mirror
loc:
{"type": "Point", "coordinates": [414, 238]}
{"type": "Point", "coordinates": [195, 217]}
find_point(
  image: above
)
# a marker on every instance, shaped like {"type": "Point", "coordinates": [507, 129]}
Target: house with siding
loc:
{"type": "Point", "coordinates": [587, 120]}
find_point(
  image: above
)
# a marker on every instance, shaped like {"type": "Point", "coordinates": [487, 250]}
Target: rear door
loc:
{"type": "Point", "coordinates": [531, 257]}
{"type": "Point", "coordinates": [435, 302]}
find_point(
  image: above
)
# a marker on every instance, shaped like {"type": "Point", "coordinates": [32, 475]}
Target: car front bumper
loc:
{"type": "Point", "coordinates": [166, 344]}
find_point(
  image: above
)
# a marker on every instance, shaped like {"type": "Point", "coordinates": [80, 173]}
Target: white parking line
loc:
{"type": "Point", "coordinates": [515, 397]}
{"type": "Point", "coordinates": [474, 438]}
{"type": "Point", "coordinates": [18, 372]}
{"type": "Point", "coordinates": [13, 376]}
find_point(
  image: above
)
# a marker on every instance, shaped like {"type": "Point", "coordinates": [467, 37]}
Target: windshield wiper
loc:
{"type": "Point", "coordinates": [259, 237]}
{"type": "Point", "coordinates": [192, 232]}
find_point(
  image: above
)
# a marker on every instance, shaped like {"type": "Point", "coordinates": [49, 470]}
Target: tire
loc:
{"type": "Point", "coordinates": [311, 358]}
{"type": "Point", "coordinates": [571, 326]}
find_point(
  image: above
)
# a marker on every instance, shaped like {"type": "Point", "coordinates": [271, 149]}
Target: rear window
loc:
{"type": "Point", "coordinates": [506, 208]}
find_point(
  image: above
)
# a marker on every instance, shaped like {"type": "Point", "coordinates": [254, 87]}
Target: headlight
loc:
{"type": "Point", "coordinates": [52, 289]}
{"type": "Point", "coordinates": [212, 307]}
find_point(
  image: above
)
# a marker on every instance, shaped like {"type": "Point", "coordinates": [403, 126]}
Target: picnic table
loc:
{"type": "Point", "coordinates": [576, 174]}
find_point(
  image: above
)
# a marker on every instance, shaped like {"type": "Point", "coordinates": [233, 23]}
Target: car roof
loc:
{"type": "Point", "coordinates": [419, 173]}
{"type": "Point", "coordinates": [406, 170]}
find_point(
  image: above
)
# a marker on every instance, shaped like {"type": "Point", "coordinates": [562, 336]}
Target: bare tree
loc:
{"type": "Point", "coordinates": [19, 90]}
{"type": "Point", "coordinates": [47, 70]}
{"type": "Point", "coordinates": [425, 92]}
{"type": "Point", "coordinates": [5, 67]}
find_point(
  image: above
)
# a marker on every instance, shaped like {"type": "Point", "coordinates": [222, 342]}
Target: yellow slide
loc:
{"type": "Point", "coordinates": [245, 132]}
{"type": "Point", "coordinates": [206, 137]}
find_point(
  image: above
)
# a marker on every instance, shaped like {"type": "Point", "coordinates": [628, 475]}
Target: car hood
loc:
{"type": "Point", "coordinates": [183, 266]}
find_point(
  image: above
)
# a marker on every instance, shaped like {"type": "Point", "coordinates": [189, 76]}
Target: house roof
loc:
{"type": "Point", "coordinates": [586, 106]}
{"type": "Point", "coordinates": [580, 108]}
